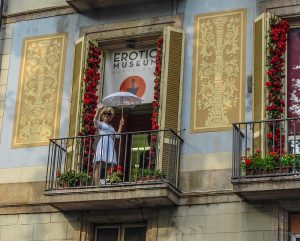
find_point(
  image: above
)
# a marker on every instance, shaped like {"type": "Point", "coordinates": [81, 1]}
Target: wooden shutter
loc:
{"type": "Point", "coordinates": [76, 96]}
{"type": "Point", "coordinates": [260, 30]}
{"type": "Point", "coordinates": [171, 79]}
{"type": "Point", "coordinates": [79, 61]}
{"type": "Point", "coordinates": [170, 92]}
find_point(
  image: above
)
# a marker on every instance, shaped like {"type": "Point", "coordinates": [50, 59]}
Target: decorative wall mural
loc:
{"type": "Point", "coordinates": [37, 113]}
{"type": "Point", "coordinates": [218, 71]}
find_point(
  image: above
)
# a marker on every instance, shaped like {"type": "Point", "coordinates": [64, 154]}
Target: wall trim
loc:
{"type": "Point", "coordinates": [39, 13]}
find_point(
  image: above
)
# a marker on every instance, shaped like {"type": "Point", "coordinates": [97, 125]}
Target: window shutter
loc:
{"type": "Point", "coordinates": [171, 79]}
{"type": "Point", "coordinates": [261, 26]}
{"type": "Point", "coordinates": [82, 46]}
{"type": "Point", "coordinates": [76, 96]}
{"type": "Point", "coordinates": [79, 61]}
{"type": "Point", "coordinates": [170, 94]}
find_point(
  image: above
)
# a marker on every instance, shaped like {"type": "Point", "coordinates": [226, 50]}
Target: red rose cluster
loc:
{"type": "Point", "coordinates": [118, 169]}
{"type": "Point", "coordinates": [89, 100]}
{"type": "Point", "coordinates": [157, 73]}
{"type": "Point", "coordinates": [155, 103]}
{"type": "Point", "coordinates": [275, 107]}
{"type": "Point", "coordinates": [276, 62]}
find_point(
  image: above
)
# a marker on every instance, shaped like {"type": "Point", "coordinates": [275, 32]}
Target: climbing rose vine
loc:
{"type": "Point", "coordinates": [89, 100]}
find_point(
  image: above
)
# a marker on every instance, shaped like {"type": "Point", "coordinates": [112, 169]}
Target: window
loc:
{"type": "Point", "coordinates": [292, 86]}
{"type": "Point", "coordinates": [121, 233]}
{"type": "Point", "coordinates": [119, 45]}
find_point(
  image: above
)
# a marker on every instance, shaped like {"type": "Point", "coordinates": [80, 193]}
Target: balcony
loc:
{"type": "Point", "coordinates": [87, 5]}
{"type": "Point", "coordinates": [142, 171]}
{"type": "Point", "coordinates": [266, 159]}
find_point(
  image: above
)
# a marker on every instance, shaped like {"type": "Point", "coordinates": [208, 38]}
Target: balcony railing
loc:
{"type": "Point", "coordinates": [136, 158]}
{"type": "Point", "coordinates": [266, 148]}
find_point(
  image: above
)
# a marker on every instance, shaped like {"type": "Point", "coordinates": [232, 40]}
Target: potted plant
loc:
{"type": "Point", "coordinates": [114, 174]}
{"type": "Point", "coordinates": [71, 178]}
{"type": "Point", "coordinates": [145, 174]}
{"type": "Point", "coordinates": [286, 162]}
{"type": "Point", "coordinates": [252, 162]}
{"type": "Point", "coordinates": [256, 164]}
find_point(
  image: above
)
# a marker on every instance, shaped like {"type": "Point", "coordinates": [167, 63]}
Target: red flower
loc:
{"type": "Point", "coordinates": [268, 83]}
{"type": "Point", "coordinates": [270, 135]}
{"type": "Point", "coordinates": [274, 59]}
{"type": "Point", "coordinates": [119, 168]}
{"type": "Point", "coordinates": [248, 161]}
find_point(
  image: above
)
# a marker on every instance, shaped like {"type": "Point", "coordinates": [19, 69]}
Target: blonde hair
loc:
{"type": "Point", "coordinates": [107, 109]}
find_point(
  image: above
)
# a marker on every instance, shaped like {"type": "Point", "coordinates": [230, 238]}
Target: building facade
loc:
{"type": "Point", "coordinates": [212, 74]}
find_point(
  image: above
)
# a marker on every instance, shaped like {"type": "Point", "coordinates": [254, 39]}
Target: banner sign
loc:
{"type": "Point", "coordinates": [130, 70]}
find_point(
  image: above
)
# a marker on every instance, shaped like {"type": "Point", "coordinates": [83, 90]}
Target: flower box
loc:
{"type": "Point", "coordinates": [146, 179]}
{"type": "Point", "coordinates": [285, 169]}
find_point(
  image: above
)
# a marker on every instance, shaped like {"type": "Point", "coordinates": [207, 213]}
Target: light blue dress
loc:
{"type": "Point", "coordinates": [106, 146]}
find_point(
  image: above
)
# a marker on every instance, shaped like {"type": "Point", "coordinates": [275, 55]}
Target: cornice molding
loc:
{"type": "Point", "coordinates": [36, 14]}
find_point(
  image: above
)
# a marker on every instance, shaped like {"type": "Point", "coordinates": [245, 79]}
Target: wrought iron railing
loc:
{"type": "Point", "coordinates": [266, 148]}
{"type": "Point", "coordinates": [134, 158]}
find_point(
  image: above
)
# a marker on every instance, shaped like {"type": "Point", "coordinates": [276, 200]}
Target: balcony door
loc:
{"type": "Point", "coordinates": [135, 141]}
{"type": "Point", "coordinates": [294, 226]}
{"type": "Point", "coordinates": [293, 88]}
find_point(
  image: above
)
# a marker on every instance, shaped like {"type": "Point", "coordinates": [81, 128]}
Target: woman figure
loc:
{"type": "Point", "coordinates": [105, 155]}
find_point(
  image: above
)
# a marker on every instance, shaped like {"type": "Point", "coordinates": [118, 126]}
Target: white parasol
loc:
{"type": "Point", "coordinates": [121, 99]}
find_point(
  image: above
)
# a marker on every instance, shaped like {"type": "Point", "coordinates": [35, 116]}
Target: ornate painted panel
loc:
{"type": "Point", "coordinates": [218, 71]}
{"type": "Point", "coordinates": [37, 113]}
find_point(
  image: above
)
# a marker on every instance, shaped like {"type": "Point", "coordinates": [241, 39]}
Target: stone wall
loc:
{"type": "Point", "coordinates": [39, 227]}
{"type": "Point", "coordinates": [225, 221]}
{"type": "Point", "coordinates": [234, 221]}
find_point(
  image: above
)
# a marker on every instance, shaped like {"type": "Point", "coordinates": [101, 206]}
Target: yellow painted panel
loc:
{"type": "Point", "coordinates": [218, 71]}
{"type": "Point", "coordinates": [37, 113]}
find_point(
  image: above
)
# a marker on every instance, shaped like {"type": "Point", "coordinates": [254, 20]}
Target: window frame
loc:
{"type": "Point", "coordinates": [121, 229]}
{"type": "Point", "coordinates": [117, 35]}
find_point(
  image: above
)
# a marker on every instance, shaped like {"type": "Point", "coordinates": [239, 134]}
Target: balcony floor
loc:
{"type": "Point", "coordinates": [277, 187]}
{"type": "Point", "coordinates": [113, 197]}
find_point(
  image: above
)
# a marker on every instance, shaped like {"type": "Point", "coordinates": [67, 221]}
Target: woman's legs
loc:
{"type": "Point", "coordinates": [99, 172]}
{"type": "Point", "coordinates": [96, 173]}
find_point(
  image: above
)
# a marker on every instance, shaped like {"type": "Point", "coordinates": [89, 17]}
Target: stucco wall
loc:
{"type": "Point", "coordinates": [200, 152]}
{"type": "Point", "coordinates": [206, 157]}
{"type": "Point", "coordinates": [29, 164]}
{"type": "Point", "coordinates": [5, 49]}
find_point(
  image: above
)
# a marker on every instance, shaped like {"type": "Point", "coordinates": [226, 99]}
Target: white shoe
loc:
{"type": "Point", "coordinates": [102, 182]}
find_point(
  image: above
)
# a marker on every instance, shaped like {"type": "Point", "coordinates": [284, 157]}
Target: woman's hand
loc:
{"type": "Point", "coordinates": [122, 122]}
{"type": "Point", "coordinates": [100, 106]}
